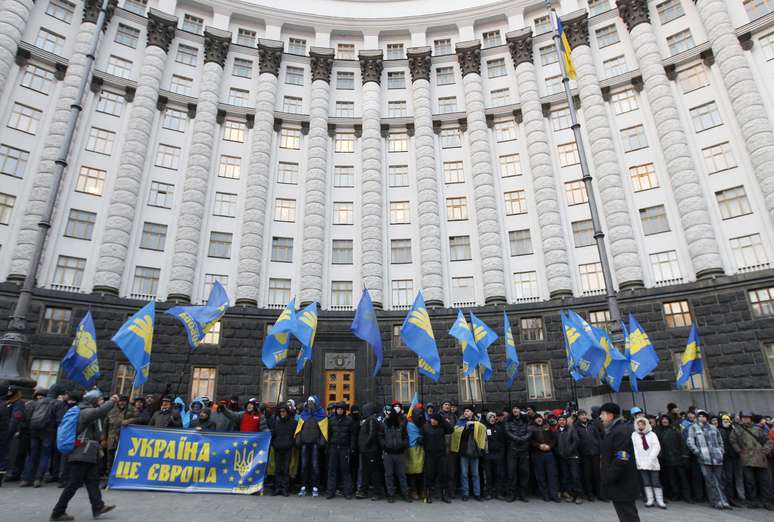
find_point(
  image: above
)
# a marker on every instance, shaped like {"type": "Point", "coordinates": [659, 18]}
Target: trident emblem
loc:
{"type": "Point", "coordinates": [243, 461]}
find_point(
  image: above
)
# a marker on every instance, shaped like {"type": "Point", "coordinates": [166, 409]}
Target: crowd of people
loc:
{"type": "Point", "coordinates": [423, 452]}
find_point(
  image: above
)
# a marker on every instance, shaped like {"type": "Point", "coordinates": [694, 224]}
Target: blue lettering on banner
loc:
{"type": "Point", "coordinates": [190, 461]}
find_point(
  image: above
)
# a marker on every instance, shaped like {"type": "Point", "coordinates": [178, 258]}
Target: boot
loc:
{"type": "Point", "coordinates": [659, 494]}
{"type": "Point", "coordinates": [649, 497]}
{"type": "Point", "coordinates": [445, 497]}
{"type": "Point", "coordinates": [63, 516]}
{"type": "Point", "coordinates": [105, 508]}
{"type": "Point", "coordinates": [428, 496]}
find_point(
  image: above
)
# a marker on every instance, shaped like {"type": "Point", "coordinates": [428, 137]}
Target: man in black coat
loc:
{"type": "Point", "coordinates": [518, 436]}
{"type": "Point", "coordinates": [283, 429]}
{"type": "Point", "coordinates": [589, 438]}
{"type": "Point", "coordinates": [341, 443]}
{"type": "Point", "coordinates": [620, 482]}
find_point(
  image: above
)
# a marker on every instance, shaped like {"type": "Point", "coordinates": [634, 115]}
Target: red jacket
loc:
{"type": "Point", "coordinates": [250, 422]}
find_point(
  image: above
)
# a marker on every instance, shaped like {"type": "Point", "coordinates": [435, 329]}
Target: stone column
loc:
{"type": "Point", "coordinates": [315, 182]}
{"type": "Point", "coordinates": [746, 99]}
{"type": "Point", "coordinates": [485, 197]}
{"type": "Point", "coordinates": [686, 186]}
{"type": "Point", "coordinates": [547, 202]}
{"type": "Point", "coordinates": [607, 169]}
{"type": "Point", "coordinates": [78, 67]}
{"type": "Point", "coordinates": [190, 222]}
{"type": "Point", "coordinates": [430, 242]}
{"type": "Point", "coordinates": [131, 167]}
{"type": "Point", "coordinates": [16, 13]}
{"type": "Point", "coordinates": [372, 183]}
{"type": "Point", "coordinates": [258, 175]}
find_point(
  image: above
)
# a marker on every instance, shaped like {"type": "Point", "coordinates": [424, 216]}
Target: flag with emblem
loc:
{"type": "Point", "coordinates": [643, 356]}
{"type": "Point", "coordinates": [512, 362]}
{"type": "Point", "coordinates": [484, 337]}
{"type": "Point", "coordinates": [135, 339]}
{"type": "Point", "coordinates": [691, 363]}
{"type": "Point", "coordinates": [304, 329]}
{"type": "Point", "coordinates": [417, 333]}
{"type": "Point", "coordinates": [630, 365]}
{"type": "Point", "coordinates": [365, 327]}
{"type": "Point", "coordinates": [275, 345]}
{"type": "Point", "coordinates": [199, 320]}
{"type": "Point", "coordinates": [614, 367]}
{"type": "Point", "coordinates": [461, 331]}
{"type": "Point", "coordinates": [80, 363]}
{"type": "Point", "coordinates": [592, 355]}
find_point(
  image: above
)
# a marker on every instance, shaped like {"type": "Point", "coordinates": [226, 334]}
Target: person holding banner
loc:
{"type": "Point", "coordinates": [83, 462]}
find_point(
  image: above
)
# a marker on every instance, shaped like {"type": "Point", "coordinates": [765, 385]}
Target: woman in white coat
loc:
{"type": "Point", "coordinates": [646, 451]}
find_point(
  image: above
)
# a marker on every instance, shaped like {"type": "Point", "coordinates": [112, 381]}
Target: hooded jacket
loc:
{"type": "Point", "coordinates": [341, 431]}
{"type": "Point", "coordinates": [393, 437]}
{"type": "Point", "coordinates": [204, 421]}
{"type": "Point", "coordinates": [282, 432]}
{"type": "Point", "coordinates": [434, 437]}
{"type": "Point", "coordinates": [647, 459]}
{"type": "Point", "coordinates": [589, 437]}
{"type": "Point", "coordinates": [368, 434]}
{"type": "Point", "coordinates": [567, 442]}
{"type": "Point", "coordinates": [518, 433]}
{"type": "Point", "coordinates": [495, 439]}
{"type": "Point", "coordinates": [674, 450]}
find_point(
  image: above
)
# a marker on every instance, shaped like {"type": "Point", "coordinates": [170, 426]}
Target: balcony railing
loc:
{"type": "Point", "coordinates": [65, 288]}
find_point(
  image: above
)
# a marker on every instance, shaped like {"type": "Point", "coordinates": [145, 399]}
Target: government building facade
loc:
{"type": "Point", "coordinates": [398, 146]}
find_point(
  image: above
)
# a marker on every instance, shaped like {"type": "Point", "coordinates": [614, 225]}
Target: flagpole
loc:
{"type": "Point", "coordinates": [282, 381]}
{"type": "Point", "coordinates": [599, 235]}
{"type": "Point", "coordinates": [187, 364]}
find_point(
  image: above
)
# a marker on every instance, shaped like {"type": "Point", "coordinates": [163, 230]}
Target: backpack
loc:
{"type": "Point", "coordinates": [42, 414]}
{"type": "Point", "coordinates": [67, 431]}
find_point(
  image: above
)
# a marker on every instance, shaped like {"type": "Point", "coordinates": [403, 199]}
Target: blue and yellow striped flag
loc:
{"type": "Point", "coordinates": [691, 362]}
{"type": "Point", "coordinates": [417, 333]}
{"type": "Point", "coordinates": [569, 67]}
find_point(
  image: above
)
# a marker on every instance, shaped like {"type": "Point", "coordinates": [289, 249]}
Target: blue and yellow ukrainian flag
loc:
{"type": "Point", "coordinates": [365, 327]}
{"type": "Point", "coordinates": [275, 345]}
{"type": "Point", "coordinates": [585, 355]}
{"type": "Point", "coordinates": [630, 364]}
{"type": "Point", "coordinates": [691, 363]}
{"type": "Point", "coordinates": [644, 358]}
{"type": "Point", "coordinates": [471, 356]}
{"type": "Point", "coordinates": [198, 320]}
{"type": "Point", "coordinates": [80, 363]}
{"type": "Point", "coordinates": [569, 67]}
{"type": "Point", "coordinates": [614, 367]}
{"type": "Point", "coordinates": [417, 333]}
{"type": "Point", "coordinates": [512, 362]}
{"type": "Point", "coordinates": [304, 330]}
{"type": "Point", "coordinates": [484, 337]}
{"type": "Point", "coordinates": [135, 339]}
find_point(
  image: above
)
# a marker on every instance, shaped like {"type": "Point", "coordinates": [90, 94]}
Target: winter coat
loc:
{"type": "Point", "coordinates": [674, 450]}
{"type": "Point", "coordinates": [341, 431]}
{"type": "Point", "coordinates": [495, 440]}
{"type": "Point", "coordinates": [166, 419]}
{"type": "Point", "coordinates": [113, 424]}
{"type": "Point", "coordinates": [57, 409]}
{"type": "Point", "coordinates": [542, 435]}
{"type": "Point", "coordinates": [202, 424]}
{"type": "Point", "coordinates": [223, 418]}
{"type": "Point", "coordinates": [646, 458]}
{"type": "Point", "coordinates": [728, 449]}
{"type": "Point", "coordinates": [393, 437]}
{"type": "Point", "coordinates": [368, 434]}
{"type": "Point", "coordinates": [567, 442]}
{"type": "Point", "coordinates": [310, 432]}
{"type": "Point", "coordinates": [752, 445]}
{"type": "Point", "coordinates": [518, 434]}
{"type": "Point", "coordinates": [705, 443]}
{"type": "Point", "coordinates": [620, 481]}
{"type": "Point", "coordinates": [434, 437]}
{"type": "Point", "coordinates": [589, 437]}
{"type": "Point", "coordinates": [89, 432]}
{"type": "Point", "coordinates": [282, 432]}
{"type": "Point", "coordinates": [469, 440]}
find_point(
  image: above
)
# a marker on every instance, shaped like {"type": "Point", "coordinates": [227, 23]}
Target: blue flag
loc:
{"type": "Point", "coordinates": [198, 320]}
{"type": "Point", "coordinates": [304, 330]}
{"type": "Point", "coordinates": [471, 355]}
{"type": "Point", "coordinates": [585, 352]}
{"type": "Point", "coordinates": [417, 333]}
{"type": "Point", "coordinates": [644, 358]}
{"type": "Point", "coordinates": [365, 327]}
{"type": "Point", "coordinates": [135, 338]}
{"type": "Point", "coordinates": [628, 356]}
{"type": "Point", "coordinates": [691, 363]}
{"type": "Point", "coordinates": [569, 332]}
{"type": "Point", "coordinates": [614, 368]}
{"type": "Point", "coordinates": [484, 337]}
{"type": "Point", "coordinates": [512, 362]}
{"type": "Point", "coordinates": [80, 364]}
{"type": "Point", "coordinates": [275, 346]}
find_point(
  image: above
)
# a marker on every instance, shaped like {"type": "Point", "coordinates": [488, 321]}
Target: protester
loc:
{"type": "Point", "coordinates": [620, 482]}
{"type": "Point", "coordinates": [83, 461]}
{"type": "Point", "coordinates": [674, 460]}
{"type": "Point", "coordinates": [543, 442]}
{"type": "Point", "coordinates": [567, 442]}
{"type": "Point", "coordinates": [393, 439]}
{"type": "Point", "coordinates": [370, 452]}
{"type": "Point", "coordinates": [415, 455]}
{"type": "Point", "coordinates": [436, 462]}
{"type": "Point", "coordinates": [733, 471]}
{"type": "Point", "coordinates": [43, 415]}
{"type": "Point", "coordinates": [753, 447]}
{"type": "Point", "coordinates": [166, 417]}
{"type": "Point", "coordinates": [589, 437]}
{"type": "Point", "coordinates": [494, 461]}
{"type": "Point", "coordinates": [469, 441]}
{"type": "Point", "coordinates": [646, 451]}
{"type": "Point", "coordinates": [283, 430]}
{"type": "Point", "coordinates": [311, 440]}
{"type": "Point", "coordinates": [706, 444]}
{"type": "Point", "coordinates": [341, 444]}
{"type": "Point", "coordinates": [519, 435]}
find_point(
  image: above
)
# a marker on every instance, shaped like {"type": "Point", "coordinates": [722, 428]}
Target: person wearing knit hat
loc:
{"type": "Point", "coordinates": [706, 444]}
{"type": "Point", "coordinates": [753, 447]}
{"type": "Point", "coordinates": [620, 482]}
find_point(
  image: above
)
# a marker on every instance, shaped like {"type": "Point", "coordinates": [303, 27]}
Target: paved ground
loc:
{"type": "Point", "coordinates": [22, 505]}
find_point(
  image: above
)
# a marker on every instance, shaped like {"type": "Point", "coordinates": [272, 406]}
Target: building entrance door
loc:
{"type": "Point", "coordinates": [339, 386]}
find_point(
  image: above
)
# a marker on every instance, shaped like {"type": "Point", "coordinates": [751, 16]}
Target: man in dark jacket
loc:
{"type": "Point", "coordinates": [166, 417]}
{"type": "Point", "coordinates": [518, 435]}
{"type": "Point", "coordinates": [620, 482]}
{"type": "Point", "coordinates": [393, 439]}
{"type": "Point", "coordinates": [282, 431]}
{"type": "Point", "coordinates": [674, 460]}
{"type": "Point", "coordinates": [494, 461]}
{"type": "Point", "coordinates": [589, 437]}
{"type": "Point", "coordinates": [42, 416]}
{"type": "Point", "coordinates": [733, 479]}
{"type": "Point", "coordinates": [567, 442]}
{"type": "Point", "coordinates": [82, 463]}
{"type": "Point", "coordinates": [370, 452]}
{"type": "Point", "coordinates": [204, 422]}
{"type": "Point", "coordinates": [434, 435]}
{"type": "Point", "coordinates": [543, 442]}
{"type": "Point", "coordinates": [341, 441]}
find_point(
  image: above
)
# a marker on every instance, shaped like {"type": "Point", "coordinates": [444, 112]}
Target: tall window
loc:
{"type": "Point", "coordinates": [614, 66]}
{"type": "Point", "coordinates": [187, 55]}
{"type": "Point", "coordinates": [666, 267]}
{"type": "Point", "coordinates": [402, 292]}
{"type": "Point", "coordinates": [525, 286]}
{"type": "Point", "coordinates": [654, 220]}
{"type": "Point", "coordinates": [245, 37]}
{"type": "Point", "coordinates": [80, 224]}
{"type": "Point", "coordinates": [444, 75]}
{"type": "Point", "coordinates": [50, 41]}
{"type": "Point", "coordinates": [706, 116]}
{"type": "Point", "coordinates": [404, 385]}
{"type": "Point", "coordinates": [733, 202]}
{"type": "Point", "coordinates": [442, 46]}
{"type": "Point", "coordinates": [677, 314]}
{"type": "Point", "coordinates": [553, 84]}
{"type": "Point", "coordinates": [344, 142]}
{"type": "Point", "coordinates": [7, 202]}
{"type": "Point", "coordinates": [56, 320]}
{"type": "Point", "coordinates": [343, 212]}
{"type": "Point", "coordinates": [37, 78]}
{"type": "Point", "coordinates": [548, 55]}
{"type": "Point", "coordinates": [282, 249]}
{"type": "Point", "coordinates": [600, 319]}
{"type": "Point", "coordinates": [583, 233]}
{"type": "Point", "coordinates": [287, 173]}
{"type": "Point", "coordinates": [25, 119]}
{"type": "Point", "coordinates": [568, 154]}
{"type": "Point", "coordinates": [100, 141]}
{"type": "Point", "coordinates": [345, 51]}
{"type": "Point", "coordinates": [718, 158]}
{"type": "Point", "coordinates": [395, 51]}
{"type": "Point", "coordinates": [757, 8]}
{"type": "Point", "coordinates": [471, 388]}
{"type": "Point", "coordinates": [560, 119]}
{"type": "Point", "coordinates": [492, 38]}
{"type": "Point", "coordinates": [154, 236]}
{"type": "Point", "coordinates": [643, 177]}
{"type": "Point", "coordinates": [399, 212]}
{"type": "Point", "coordinates": [61, 10]}
{"type": "Point", "coordinates": [456, 208]}
{"type": "Point", "coordinates": [279, 291]}
{"type": "Point", "coordinates": [396, 80]}
{"type": "Point", "coordinates": [229, 167]}
{"type": "Point", "coordinates": [591, 277]}
{"type": "Point", "coordinates": [575, 192]}
{"type": "Point", "coordinates": [698, 381]}
{"type": "Point", "coordinates": [450, 138]}
{"type": "Point", "coordinates": [500, 97]}
{"type": "Point", "coordinates": [127, 35]}
{"type": "Point", "coordinates": [459, 248]}
{"type": "Point", "coordinates": [161, 194]}
{"type": "Point", "coordinates": [203, 381]}
{"type": "Point", "coordinates": [515, 202]}
{"type": "Point", "coordinates": [341, 252]}
{"type": "Point", "coordinates": [396, 109]}
{"type": "Point", "coordinates": [241, 98]}
{"type": "Point", "coordinates": [45, 372]}
{"type": "Point", "coordinates": [123, 379]}
{"type": "Point", "coordinates": [345, 109]}
{"type": "Point", "coordinates": [297, 46]}
{"type": "Point", "coordinates": [669, 10]}
{"type": "Point", "coordinates": [521, 242]}
{"type": "Point", "coordinates": [749, 252]}
{"type": "Point", "coordinates": [693, 78]}
{"type": "Point", "coordinates": [341, 294]}
{"type": "Point", "coordinates": [242, 68]}
{"type": "Point", "coordinates": [762, 301]}
{"type": "Point", "coordinates": [273, 385]}
{"type": "Point", "coordinates": [505, 130]}
{"type": "Point", "coordinates": [290, 139]}
{"type": "Point", "coordinates": [285, 210]}
{"type": "Point", "coordinates": [290, 104]}
{"type": "Point", "coordinates": [607, 35]}
{"type": "Point", "coordinates": [220, 245]}
{"type": "Point", "coordinates": [397, 142]}
{"type": "Point", "coordinates": [146, 282]}
{"type": "Point", "coordinates": [91, 181]}
{"type": "Point", "coordinates": [345, 80]}
{"type": "Point", "coordinates": [234, 131]}
{"type": "Point", "coordinates": [69, 273]}
{"type": "Point", "coordinates": [13, 161]}
{"type": "Point", "coordinates": [175, 120]}
{"type": "Point", "coordinates": [213, 335]}
{"type": "Point", "coordinates": [110, 103]}
{"type": "Point", "coordinates": [538, 377]}
{"type": "Point", "coordinates": [542, 24]}
{"type": "Point", "coordinates": [496, 67]}
{"type": "Point", "coordinates": [531, 329]}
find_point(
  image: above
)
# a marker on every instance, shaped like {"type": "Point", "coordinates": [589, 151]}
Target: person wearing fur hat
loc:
{"type": "Point", "coordinates": [83, 467]}
{"type": "Point", "coordinates": [393, 439]}
{"type": "Point", "coordinates": [753, 447]}
{"type": "Point", "coordinates": [620, 483]}
{"type": "Point", "coordinates": [706, 444]}
{"type": "Point", "coordinates": [646, 451]}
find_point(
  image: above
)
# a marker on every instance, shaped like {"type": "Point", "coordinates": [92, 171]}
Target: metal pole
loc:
{"type": "Point", "coordinates": [599, 236]}
{"type": "Point", "coordinates": [279, 391]}
{"type": "Point", "coordinates": [14, 356]}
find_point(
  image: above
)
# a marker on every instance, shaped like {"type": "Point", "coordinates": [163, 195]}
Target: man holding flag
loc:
{"type": "Point", "coordinates": [417, 333]}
